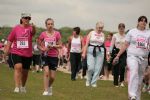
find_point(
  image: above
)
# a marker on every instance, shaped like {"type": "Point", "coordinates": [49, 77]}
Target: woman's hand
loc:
{"type": "Point", "coordinates": [44, 49]}
{"type": "Point", "coordinates": [116, 60]}
{"type": "Point", "coordinates": [83, 55]}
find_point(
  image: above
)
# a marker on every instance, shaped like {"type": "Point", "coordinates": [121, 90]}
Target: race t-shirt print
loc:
{"type": "Point", "coordinates": [23, 40]}
{"type": "Point", "coordinates": [50, 41]}
{"type": "Point", "coordinates": [141, 42]}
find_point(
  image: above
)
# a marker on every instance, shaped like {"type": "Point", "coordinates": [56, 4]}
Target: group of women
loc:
{"type": "Point", "coordinates": [134, 46]}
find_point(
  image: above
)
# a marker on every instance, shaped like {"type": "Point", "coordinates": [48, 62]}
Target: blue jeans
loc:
{"type": "Point", "coordinates": [94, 64]}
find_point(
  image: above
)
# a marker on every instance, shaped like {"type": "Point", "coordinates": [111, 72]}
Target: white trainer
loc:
{"type": "Point", "coordinates": [46, 93]}
{"type": "Point", "coordinates": [94, 85]}
{"type": "Point", "coordinates": [23, 89]}
{"type": "Point", "coordinates": [50, 91]}
{"type": "Point", "coordinates": [133, 98]}
{"type": "Point", "coordinates": [16, 90]}
{"type": "Point", "coordinates": [122, 84]}
{"type": "Point", "coordinates": [87, 84]}
{"type": "Point", "coordinates": [81, 77]}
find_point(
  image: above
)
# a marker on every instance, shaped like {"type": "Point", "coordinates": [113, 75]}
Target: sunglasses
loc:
{"type": "Point", "coordinates": [29, 18]}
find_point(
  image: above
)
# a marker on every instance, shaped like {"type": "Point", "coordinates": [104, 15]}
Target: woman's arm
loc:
{"type": "Point", "coordinates": [58, 44]}
{"type": "Point", "coordinates": [86, 45]}
{"type": "Point", "coordinates": [7, 48]}
{"type": "Point", "coordinates": [33, 29]}
{"type": "Point", "coordinates": [39, 45]}
{"type": "Point", "coordinates": [112, 44]}
{"type": "Point", "coordinates": [122, 50]}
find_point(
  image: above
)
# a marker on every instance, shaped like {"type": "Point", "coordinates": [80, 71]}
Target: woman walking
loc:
{"type": "Point", "coordinates": [94, 50]}
{"type": "Point", "coordinates": [49, 42]}
{"type": "Point", "coordinates": [136, 43]}
{"type": "Point", "coordinates": [21, 50]}
{"type": "Point", "coordinates": [117, 42]}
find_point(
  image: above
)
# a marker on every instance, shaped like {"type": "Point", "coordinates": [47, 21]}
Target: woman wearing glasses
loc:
{"type": "Point", "coordinates": [117, 42]}
{"type": "Point", "coordinates": [136, 43]}
{"type": "Point", "coordinates": [94, 49]}
{"type": "Point", "coordinates": [21, 50]}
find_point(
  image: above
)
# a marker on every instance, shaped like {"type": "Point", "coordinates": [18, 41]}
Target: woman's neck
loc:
{"type": "Point", "coordinates": [24, 25]}
{"type": "Point", "coordinates": [76, 36]}
{"type": "Point", "coordinates": [141, 28]}
{"type": "Point", "coordinates": [121, 33]}
{"type": "Point", "coordinates": [50, 32]}
{"type": "Point", "coordinates": [98, 32]}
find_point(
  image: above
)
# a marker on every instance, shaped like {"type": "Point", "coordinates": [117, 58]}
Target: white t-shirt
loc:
{"type": "Point", "coordinates": [76, 45]}
{"type": "Point", "coordinates": [118, 40]}
{"type": "Point", "coordinates": [138, 41]}
{"type": "Point", "coordinates": [97, 39]}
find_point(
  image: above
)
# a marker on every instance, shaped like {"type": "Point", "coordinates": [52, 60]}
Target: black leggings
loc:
{"type": "Point", "coordinates": [84, 66]}
{"type": "Point", "coordinates": [75, 60]}
{"type": "Point", "coordinates": [119, 69]}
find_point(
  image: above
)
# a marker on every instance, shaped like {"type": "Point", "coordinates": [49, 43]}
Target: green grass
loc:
{"type": "Point", "coordinates": [63, 88]}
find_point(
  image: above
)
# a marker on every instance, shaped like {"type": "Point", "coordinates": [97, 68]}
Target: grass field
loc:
{"type": "Point", "coordinates": [63, 88]}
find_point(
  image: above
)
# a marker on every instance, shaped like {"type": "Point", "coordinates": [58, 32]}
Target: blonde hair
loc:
{"type": "Point", "coordinates": [100, 24]}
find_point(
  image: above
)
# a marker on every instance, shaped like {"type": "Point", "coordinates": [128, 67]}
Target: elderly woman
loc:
{"type": "Point", "coordinates": [94, 49]}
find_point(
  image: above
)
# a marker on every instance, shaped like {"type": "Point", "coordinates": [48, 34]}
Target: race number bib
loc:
{"type": "Point", "coordinates": [22, 42]}
{"type": "Point", "coordinates": [141, 43]}
{"type": "Point", "coordinates": [50, 43]}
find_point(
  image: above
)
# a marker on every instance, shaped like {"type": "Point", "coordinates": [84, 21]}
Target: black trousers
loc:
{"type": "Point", "coordinates": [119, 69]}
{"type": "Point", "coordinates": [75, 60]}
{"type": "Point", "coordinates": [84, 66]}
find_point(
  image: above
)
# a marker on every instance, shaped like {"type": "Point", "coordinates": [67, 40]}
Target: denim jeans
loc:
{"type": "Point", "coordinates": [94, 64]}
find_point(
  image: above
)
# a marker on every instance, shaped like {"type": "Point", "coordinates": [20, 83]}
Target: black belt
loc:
{"type": "Point", "coordinates": [94, 50]}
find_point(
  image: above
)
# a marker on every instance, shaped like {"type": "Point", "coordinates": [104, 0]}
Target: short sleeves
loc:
{"type": "Point", "coordinates": [114, 37]}
{"type": "Point", "coordinates": [11, 36]}
{"type": "Point", "coordinates": [128, 37]}
{"type": "Point", "coordinates": [58, 36]}
{"type": "Point", "coordinates": [41, 37]}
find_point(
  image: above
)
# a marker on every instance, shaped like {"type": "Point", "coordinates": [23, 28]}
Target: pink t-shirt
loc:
{"type": "Point", "coordinates": [50, 40]}
{"type": "Point", "coordinates": [84, 40]}
{"type": "Point", "coordinates": [107, 45]}
{"type": "Point", "coordinates": [21, 37]}
{"type": "Point", "coordinates": [1, 45]}
{"type": "Point", "coordinates": [64, 51]}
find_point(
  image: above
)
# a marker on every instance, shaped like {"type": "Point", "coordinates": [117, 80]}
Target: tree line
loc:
{"type": "Point", "coordinates": [65, 32]}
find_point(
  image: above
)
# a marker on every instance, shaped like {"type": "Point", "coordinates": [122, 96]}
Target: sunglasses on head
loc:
{"type": "Point", "coordinates": [29, 18]}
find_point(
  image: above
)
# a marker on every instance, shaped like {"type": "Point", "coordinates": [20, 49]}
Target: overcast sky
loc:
{"type": "Point", "coordinates": [83, 13]}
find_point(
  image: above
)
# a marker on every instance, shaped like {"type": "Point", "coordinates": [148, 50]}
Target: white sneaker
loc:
{"type": "Point", "coordinates": [87, 84]}
{"type": "Point", "coordinates": [101, 77]}
{"type": "Point", "coordinates": [45, 93]}
{"type": "Point", "coordinates": [85, 77]}
{"type": "Point", "coordinates": [94, 85]}
{"type": "Point", "coordinates": [81, 77]}
{"type": "Point", "coordinates": [133, 98]}
{"type": "Point", "coordinates": [16, 90]}
{"type": "Point", "coordinates": [149, 92]}
{"type": "Point", "coordinates": [122, 85]}
{"type": "Point", "coordinates": [76, 77]}
{"type": "Point", "coordinates": [23, 89]}
{"type": "Point", "coordinates": [50, 91]}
